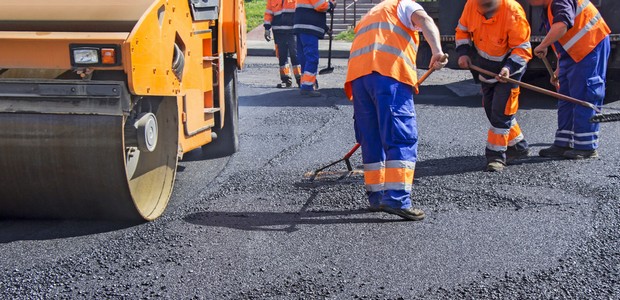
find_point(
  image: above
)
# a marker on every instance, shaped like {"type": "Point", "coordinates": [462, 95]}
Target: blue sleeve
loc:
{"type": "Point", "coordinates": [564, 11]}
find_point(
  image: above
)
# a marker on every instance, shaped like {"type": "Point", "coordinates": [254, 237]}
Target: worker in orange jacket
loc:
{"type": "Point", "coordinates": [279, 18]}
{"type": "Point", "coordinates": [497, 34]}
{"type": "Point", "coordinates": [381, 80]}
{"type": "Point", "coordinates": [580, 38]}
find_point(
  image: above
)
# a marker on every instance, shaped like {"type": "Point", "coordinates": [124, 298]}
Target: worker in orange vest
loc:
{"type": "Point", "coordinates": [279, 18]}
{"type": "Point", "coordinates": [580, 38]}
{"type": "Point", "coordinates": [381, 79]}
{"type": "Point", "coordinates": [499, 32]}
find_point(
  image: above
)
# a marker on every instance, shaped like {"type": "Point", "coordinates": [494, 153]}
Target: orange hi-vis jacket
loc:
{"type": "Point", "coordinates": [383, 44]}
{"type": "Point", "coordinates": [587, 32]}
{"type": "Point", "coordinates": [279, 15]}
{"type": "Point", "coordinates": [505, 35]}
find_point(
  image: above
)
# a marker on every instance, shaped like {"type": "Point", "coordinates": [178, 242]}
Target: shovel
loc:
{"type": "Point", "coordinates": [598, 118]}
{"type": "Point", "coordinates": [329, 68]}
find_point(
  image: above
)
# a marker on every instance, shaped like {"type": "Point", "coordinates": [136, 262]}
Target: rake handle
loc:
{"type": "Point", "coordinates": [352, 151]}
{"type": "Point", "coordinates": [550, 70]}
{"type": "Point", "coordinates": [429, 72]}
{"type": "Point", "coordinates": [537, 89]}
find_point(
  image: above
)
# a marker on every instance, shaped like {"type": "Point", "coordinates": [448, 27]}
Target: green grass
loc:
{"type": "Point", "coordinates": [345, 36]}
{"type": "Point", "coordinates": [255, 12]}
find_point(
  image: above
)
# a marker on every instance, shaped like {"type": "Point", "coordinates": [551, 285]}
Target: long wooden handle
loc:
{"type": "Point", "coordinates": [538, 89]}
{"type": "Point", "coordinates": [430, 71]}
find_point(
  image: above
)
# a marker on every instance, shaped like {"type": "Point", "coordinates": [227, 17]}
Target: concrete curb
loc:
{"type": "Point", "coordinates": [263, 48]}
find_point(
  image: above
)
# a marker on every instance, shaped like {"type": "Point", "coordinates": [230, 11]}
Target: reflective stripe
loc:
{"type": "Point", "coordinates": [518, 59]}
{"type": "Point", "coordinates": [491, 57]}
{"type": "Point", "coordinates": [587, 134]}
{"type": "Point", "coordinates": [500, 131]}
{"type": "Point", "coordinates": [400, 164]}
{"type": "Point", "coordinates": [557, 139]}
{"type": "Point", "coordinates": [516, 140]}
{"type": "Point", "coordinates": [318, 3]}
{"type": "Point", "coordinates": [462, 27]}
{"type": "Point", "coordinates": [572, 42]}
{"type": "Point", "coordinates": [463, 42]}
{"type": "Point", "coordinates": [496, 148]}
{"type": "Point", "coordinates": [390, 27]}
{"type": "Point", "coordinates": [582, 7]}
{"type": "Point", "coordinates": [305, 6]}
{"type": "Point", "coordinates": [585, 143]}
{"type": "Point", "coordinates": [489, 81]}
{"type": "Point", "coordinates": [268, 22]}
{"type": "Point", "coordinates": [526, 45]}
{"type": "Point", "coordinates": [382, 48]}
{"type": "Point", "coordinates": [268, 11]}
{"type": "Point", "coordinates": [310, 27]}
{"type": "Point", "coordinates": [375, 188]}
{"type": "Point", "coordinates": [374, 166]}
{"type": "Point", "coordinates": [398, 186]}
{"type": "Point", "coordinates": [288, 10]}
{"type": "Point", "coordinates": [282, 27]}
{"type": "Point", "coordinates": [284, 11]}
{"type": "Point", "coordinates": [565, 132]}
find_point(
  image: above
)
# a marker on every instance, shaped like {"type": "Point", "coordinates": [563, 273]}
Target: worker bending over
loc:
{"type": "Point", "coordinates": [381, 79]}
{"type": "Point", "coordinates": [500, 34]}
{"type": "Point", "coordinates": [310, 26]}
{"type": "Point", "coordinates": [580, 38]}
{"type": "Point", "coordinates": [279, 17]}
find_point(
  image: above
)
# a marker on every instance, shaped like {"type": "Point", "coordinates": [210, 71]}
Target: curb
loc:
{"type": "Point", "coordinates": [322, 53]}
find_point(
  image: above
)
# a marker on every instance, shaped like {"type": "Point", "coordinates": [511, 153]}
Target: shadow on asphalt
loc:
{"type": "Point", "coordinates": [34, 230]}
{"type": "Point", "coordinates": [463, 164]}
{"type": "Point", "coordinates": [280, 221]}
{"type": "Point", "coordinates": [291, 97]}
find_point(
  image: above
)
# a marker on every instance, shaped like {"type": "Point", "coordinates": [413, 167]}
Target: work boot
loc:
{"type": "Point", "coordinates": [376, 208]}
{"type": "Point", "coordinates": [580, 154]}
{"type": "Point", "coordinates": [554, 151]}
{"type": "Point", "coordinates": [312, 94]}
{"type": "Point", "coordinates": [495, 166]}
{"type": "Point", "coordinates": [411, 214]}
{"type": "Point", "coordinates": [288, 83]}
{"type": "Point", "coordinates": [513, 154]}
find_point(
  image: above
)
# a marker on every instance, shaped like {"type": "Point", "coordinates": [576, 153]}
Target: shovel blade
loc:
{"type": "Point", "coordinates": [326, 71]}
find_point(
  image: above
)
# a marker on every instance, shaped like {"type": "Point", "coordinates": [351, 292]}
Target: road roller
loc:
{"type": "Point", "coordinates": [99, 99]}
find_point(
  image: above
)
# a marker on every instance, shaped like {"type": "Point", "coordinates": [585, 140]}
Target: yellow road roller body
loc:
{"type": "Point", "coordinates": [99, 99]}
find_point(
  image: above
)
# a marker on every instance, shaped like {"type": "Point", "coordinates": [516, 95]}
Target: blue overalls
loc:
{"type": "Point", "coordinates": [385, 126]}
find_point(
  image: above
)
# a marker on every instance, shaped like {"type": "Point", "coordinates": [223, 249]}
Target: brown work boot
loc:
{"type": "Point", "coordinates": [554, 152]}
{"type": "Point", "coordinates": [513, 154]}
{"type": "Point", "coordinates": [411, 214]}
{"type": "Point", "coordinates": [580, 154]}
{"type": "Point", "coordinates": [495, 166]}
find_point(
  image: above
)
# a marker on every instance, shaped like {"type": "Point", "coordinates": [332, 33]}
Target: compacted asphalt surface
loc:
{"type": "Point", "coordinates": [253, 226]}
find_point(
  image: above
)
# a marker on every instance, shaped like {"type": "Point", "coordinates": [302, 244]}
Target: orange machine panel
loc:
{"type": "Point", "coordinates": [48, 50]}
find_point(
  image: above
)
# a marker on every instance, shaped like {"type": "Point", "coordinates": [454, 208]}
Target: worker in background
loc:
{"type": "Point", "coordinates": [279, 17]}
{"type": "Point", "coordinates": [381, 81]}
{"type": "Point", "coordinates": [580, 38]}
{"type": "Point", "coordinates": [310, 26]}
{"type": "Point", "coordinates": [500, 35]}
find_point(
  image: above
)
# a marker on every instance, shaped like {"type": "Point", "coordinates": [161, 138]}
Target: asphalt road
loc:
{"type": "Point", "coordinates": [253, 227]}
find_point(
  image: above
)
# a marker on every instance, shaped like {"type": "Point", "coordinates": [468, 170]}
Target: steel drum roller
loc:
{"type": "Point", "coordinates": [71, 160]}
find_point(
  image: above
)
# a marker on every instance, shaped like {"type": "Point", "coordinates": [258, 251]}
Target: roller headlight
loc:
{"type": "Point", "coordinates": [86, 56]}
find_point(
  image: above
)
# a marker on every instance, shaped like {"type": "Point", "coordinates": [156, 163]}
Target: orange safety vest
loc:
{"type": "Point", "coordinates": [587, 32]}
{"type": "Point", "coordinates": [507, 32]}
{"type": "Point", "coordinates": [383, 44]}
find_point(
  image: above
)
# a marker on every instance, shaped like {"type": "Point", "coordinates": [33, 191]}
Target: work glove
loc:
{"type": "Point", "coordinates": [268, 35]}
